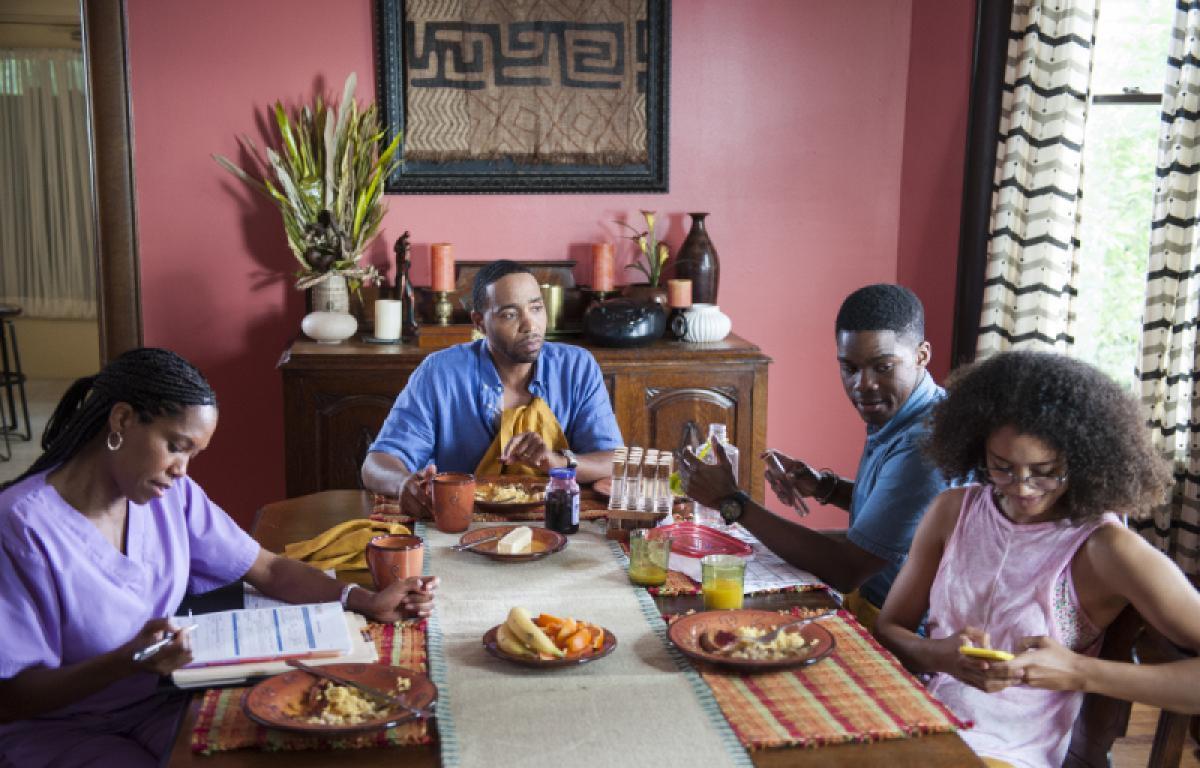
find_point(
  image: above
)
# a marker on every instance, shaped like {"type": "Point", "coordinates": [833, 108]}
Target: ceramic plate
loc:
{"type": "Point", "coordinates": [490, 645]}
{"type": "Point", "coordinates": [545, 542]}
{"type": "Point", "coordinates": [278, 702]}
{"type": "Point", "coordinates": [685, 634]}
{"type": "Point", "coordinates": [531, 485]}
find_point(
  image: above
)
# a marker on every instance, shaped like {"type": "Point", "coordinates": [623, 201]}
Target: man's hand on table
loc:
{"type": "Point", "coordinates": [416, 494]}
{"type": "Point", "coordinates": [530, 449]}
{"type": "Point", "coordinates": [410, 598]}
{"type": "Point", "coordinates": [707, 484]}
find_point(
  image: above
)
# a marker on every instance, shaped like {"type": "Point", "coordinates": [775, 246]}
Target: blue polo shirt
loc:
{"type": "Point", "coordinates": [893, 487]}
{"type": "Point", "coordinates": [449, 412]}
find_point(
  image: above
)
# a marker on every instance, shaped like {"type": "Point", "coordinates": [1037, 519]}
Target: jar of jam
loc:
{"type": "Point", "coordinates": [562, 501]}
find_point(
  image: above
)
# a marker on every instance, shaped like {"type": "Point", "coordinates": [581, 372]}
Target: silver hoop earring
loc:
{"type": "Point", "coordinates": [115, 441]}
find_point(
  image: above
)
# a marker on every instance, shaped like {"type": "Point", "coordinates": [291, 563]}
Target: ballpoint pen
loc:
{"type": "Point", "coordinates": [158, 645]}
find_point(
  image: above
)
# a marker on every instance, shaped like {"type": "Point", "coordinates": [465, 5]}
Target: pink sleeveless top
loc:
{"type": "Point", "coordinates": [1013, 581]}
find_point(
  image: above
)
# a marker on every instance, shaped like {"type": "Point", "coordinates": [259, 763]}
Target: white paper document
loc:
{"type": "Point", "coordinates": [232, 637]}
{"type": "Point", "coordinates": [764, 569]}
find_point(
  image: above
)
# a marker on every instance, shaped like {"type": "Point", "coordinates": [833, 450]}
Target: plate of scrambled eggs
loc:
{"type": "Point", "coordinates": [297, 701]}
{"type": "Point", "coordinates": [804, 645]}
{"type": "Point", "coordinates": [510, 494]}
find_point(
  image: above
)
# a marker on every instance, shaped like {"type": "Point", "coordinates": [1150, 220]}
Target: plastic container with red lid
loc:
{"type": "Point", "coordinates": [691, 540]}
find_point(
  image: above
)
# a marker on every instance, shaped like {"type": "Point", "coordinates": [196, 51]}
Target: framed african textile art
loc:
{"type": "Point", "coordinates": [520, 96]}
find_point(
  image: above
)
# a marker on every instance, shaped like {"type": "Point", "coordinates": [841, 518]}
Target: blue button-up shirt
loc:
{"type": "Point", "coordinates": [449, 412]}
{"type": "Point", "coordinates": [893, 487]}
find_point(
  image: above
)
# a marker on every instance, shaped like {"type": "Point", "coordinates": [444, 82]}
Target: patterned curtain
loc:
{"type": "Point", "coordinates": [1168, 366]}
{"type": "Point", "coordinates": [1034, 231]}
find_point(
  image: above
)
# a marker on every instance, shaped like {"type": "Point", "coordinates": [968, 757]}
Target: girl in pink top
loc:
{"type": "Point", "coordinates": [1033, 561]}
{"type": "Point", "coordinates": [99, 541]}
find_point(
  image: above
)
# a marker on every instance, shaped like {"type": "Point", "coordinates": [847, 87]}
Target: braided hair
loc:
{"type": "Point", "coordinates": [154, 382]}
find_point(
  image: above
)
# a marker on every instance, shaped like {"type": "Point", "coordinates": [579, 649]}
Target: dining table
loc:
{"type": "Point", "coordinates": [284, 522]}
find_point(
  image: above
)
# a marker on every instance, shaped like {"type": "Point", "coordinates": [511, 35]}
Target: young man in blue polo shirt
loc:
{"type": "Point", "coordinates": [883, 356]}
{"type": "Point", "coordinates": [509, 403]}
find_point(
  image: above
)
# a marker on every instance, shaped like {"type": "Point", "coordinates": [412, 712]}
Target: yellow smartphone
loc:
{"type": "Point", "coordinates": [987, 654]}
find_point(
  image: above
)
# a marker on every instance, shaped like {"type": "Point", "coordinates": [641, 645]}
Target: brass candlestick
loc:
{"type": "Point", "coordinates": [443, 310]}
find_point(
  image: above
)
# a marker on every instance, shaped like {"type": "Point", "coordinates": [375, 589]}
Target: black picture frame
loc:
{"type": "Point", "coordinates": [506, 176]}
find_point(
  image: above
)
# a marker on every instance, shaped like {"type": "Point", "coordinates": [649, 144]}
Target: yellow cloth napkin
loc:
{"type": "Point", "coordinates": [344, 546]}
{"type": "Point", "coordinates": [535, 416]}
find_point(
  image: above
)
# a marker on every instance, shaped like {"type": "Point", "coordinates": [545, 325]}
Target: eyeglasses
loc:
{"type": "Point", "coordinates": [1002, 478]}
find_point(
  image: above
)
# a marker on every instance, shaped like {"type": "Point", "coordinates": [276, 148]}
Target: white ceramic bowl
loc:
{"type": "Point", "coordinates": [329, 327]}
{"type": "Point", "coordinates": [706, 322]}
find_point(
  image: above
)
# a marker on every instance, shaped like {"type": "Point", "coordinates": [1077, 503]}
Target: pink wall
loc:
{"type": "Point", "coordinates": [788, 123]}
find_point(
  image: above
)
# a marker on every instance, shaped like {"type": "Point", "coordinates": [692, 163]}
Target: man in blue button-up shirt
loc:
{"type": "Point", "coordinates": [448, 414]}
{"type": "Point", "coordinates": [883, 356]}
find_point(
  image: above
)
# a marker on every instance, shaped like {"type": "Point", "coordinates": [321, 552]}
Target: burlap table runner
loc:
{"type": "Point", "coordinates": [642, 705]}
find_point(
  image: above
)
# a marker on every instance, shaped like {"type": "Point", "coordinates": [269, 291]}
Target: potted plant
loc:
{"type": "Point", "coordinates": [654, 255]}
{"type": "Point", "coordinates": [326, 176]}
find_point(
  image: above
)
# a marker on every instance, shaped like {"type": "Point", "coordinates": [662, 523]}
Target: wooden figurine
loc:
{"type": "Point", "coordinates": [409, 325]}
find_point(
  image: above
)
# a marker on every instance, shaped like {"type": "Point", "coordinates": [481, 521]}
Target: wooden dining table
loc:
{"type": "Point", "coordinates": [284, 522]}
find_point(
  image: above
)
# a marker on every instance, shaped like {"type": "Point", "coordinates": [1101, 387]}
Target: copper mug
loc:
{"type": "Point", "coordinates": [393, 557]}
{"type": "Point", "coordinates": [453, 501]}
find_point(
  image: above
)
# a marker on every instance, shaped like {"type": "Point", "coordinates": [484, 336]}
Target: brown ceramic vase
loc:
{"type": "Point", "coordinates": [697, 261]}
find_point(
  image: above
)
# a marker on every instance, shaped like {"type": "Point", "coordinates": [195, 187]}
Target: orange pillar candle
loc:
{"type": "Point", "coordinates": [679, 293]}
{"type": "Point", "coordinates": [602, 267]}
{"type": "Point", "coordinates": [441, 257]}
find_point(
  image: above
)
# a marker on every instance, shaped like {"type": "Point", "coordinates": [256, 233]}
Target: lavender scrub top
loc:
{"type": "Point", "coordinates": [67, 595]}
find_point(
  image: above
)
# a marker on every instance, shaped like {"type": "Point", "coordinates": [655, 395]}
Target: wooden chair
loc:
{"type": "Point", "coordinates": [1102, 720]}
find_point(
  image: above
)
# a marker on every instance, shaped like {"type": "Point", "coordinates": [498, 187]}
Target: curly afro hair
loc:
{"type": "Point", "coordinates": [1071, 407]}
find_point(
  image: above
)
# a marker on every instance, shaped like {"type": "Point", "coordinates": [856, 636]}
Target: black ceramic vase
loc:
{"type": "Point", "coordinates": [624, 322]}
{"type": "Point", "coordinates": [697, 261]}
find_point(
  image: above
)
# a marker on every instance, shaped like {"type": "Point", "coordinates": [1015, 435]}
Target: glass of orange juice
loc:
{"type": "Point", "coordinates": [722, 579]}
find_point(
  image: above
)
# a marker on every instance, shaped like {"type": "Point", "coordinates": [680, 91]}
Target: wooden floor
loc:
{"type": "Point", "coordinates": [1133, 751]}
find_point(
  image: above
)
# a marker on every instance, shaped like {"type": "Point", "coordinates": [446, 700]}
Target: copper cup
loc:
{"type": "Point", "coordinates": [393, 557]}
{"type": "Point", "coordinates": [453, 501]}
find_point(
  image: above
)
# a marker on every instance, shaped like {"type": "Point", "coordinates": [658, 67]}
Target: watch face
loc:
{"type": "Point", "coordinates": [731, 510]}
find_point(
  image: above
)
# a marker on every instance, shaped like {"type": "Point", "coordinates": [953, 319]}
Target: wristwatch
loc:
{"type": "Point", "coordinates": [572, 459]}
{"type": "Point", "coordinates": [732, 507]}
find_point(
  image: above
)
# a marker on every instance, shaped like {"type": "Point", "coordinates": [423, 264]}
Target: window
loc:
{"type": "Point", "coordinates": [1120, 148]}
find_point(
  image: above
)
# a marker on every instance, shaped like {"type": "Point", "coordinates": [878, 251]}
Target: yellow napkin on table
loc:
{"type": "Point", "coordinates": [344, 546]}
{"type": "Point", "coordinates": [535, 416]}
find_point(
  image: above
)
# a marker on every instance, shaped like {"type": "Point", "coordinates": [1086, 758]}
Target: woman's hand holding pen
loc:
{"type": "Point", "coordinates": [169, 657]}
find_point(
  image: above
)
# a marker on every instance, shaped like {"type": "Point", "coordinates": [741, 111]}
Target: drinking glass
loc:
{"type": "Point", "coordinates": [649, 558]}
{"type": "Point", "coordinates": [723, 580]}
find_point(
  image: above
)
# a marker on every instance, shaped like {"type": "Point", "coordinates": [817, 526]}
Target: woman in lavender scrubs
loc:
{"type": "Point", "coordinates": [99, 542]}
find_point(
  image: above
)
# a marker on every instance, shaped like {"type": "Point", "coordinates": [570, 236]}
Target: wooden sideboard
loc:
{"type": "Point", "coordinates": [335, 398]}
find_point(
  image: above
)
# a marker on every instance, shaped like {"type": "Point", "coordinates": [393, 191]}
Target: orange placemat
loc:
{"type": "Point", "coordinates": [859, 693]}
{"type": "Point", "coordinates": [222, 725]}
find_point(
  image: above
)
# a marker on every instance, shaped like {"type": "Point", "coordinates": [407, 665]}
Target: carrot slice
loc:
{"type": "Point", "coordinates": [578, 642]}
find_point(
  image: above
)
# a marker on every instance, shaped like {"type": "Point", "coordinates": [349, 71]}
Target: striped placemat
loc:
{"type": "Point", "coordinates": [859, 693]}
{"type": "Point", "coordinates": [222, 725]}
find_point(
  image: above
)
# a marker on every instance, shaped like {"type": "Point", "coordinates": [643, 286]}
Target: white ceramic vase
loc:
{"type": "Point", "coordinates": [706, 322]}
{"type": "Point", "coordinates": [329, 327]}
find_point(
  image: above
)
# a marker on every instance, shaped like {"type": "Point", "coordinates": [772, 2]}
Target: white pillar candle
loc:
{"type": "Point", "coordinates": [387, 319]}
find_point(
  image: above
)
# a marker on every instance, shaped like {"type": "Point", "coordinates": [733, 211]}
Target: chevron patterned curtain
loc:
{"type": "Point", "coordinates": [1034, 241]}
{"type": "Point", "coordinates": [1168, 368]}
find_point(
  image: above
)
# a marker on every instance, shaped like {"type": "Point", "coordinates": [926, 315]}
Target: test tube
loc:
{"type": "Point", "coordinates": [616, 497]}
{"type": "Point", "coordinates": [633, 479]}
{"type": "Point", "coordinates": [649, 481]}
{"type": "Point", "coordinates": [664, 498]}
